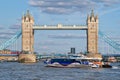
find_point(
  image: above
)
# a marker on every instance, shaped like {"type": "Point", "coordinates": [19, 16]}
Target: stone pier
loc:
{"type": "Point", "coordinates": [27, 58]}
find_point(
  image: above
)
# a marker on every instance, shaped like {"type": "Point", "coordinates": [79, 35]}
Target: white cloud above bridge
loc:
{"type": "Point", "coordinates": [70, 6]}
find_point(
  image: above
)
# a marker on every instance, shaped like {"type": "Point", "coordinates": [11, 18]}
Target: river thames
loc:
{"type": "Point", "coordinates": [38, 71]}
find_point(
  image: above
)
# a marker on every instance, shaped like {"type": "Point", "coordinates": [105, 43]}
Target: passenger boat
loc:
{"type": "Point", "coordinates": [67, 63]}
{"type": "Point", "coordinates": [74, 61]}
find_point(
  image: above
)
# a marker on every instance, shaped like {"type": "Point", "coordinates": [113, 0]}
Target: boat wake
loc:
{"type": "Point", "coordinates": [115, 67]}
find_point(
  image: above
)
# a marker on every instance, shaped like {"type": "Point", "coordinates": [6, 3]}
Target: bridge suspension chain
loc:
{"type": "Point", "coordinates": [10, 41]}
{"type": "Point", "coordinates": [109, 41]}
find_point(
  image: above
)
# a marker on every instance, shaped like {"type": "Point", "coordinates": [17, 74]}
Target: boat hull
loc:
{"type": "Point", "coordinates": [106, 66]}
{"type": "Point", "coordinates": [72, 65]}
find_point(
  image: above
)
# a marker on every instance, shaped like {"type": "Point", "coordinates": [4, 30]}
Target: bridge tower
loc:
{"type": "Point", "coordinates": [27, 55]}
{"type": "Point", "coordinates": [27, 33]}
{"type": "Point", "coordinates": [92, 35]}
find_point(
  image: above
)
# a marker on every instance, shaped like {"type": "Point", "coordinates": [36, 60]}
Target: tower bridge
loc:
{"type": "Point", "coordinates": [91, 31]}
{"type": "Point", "coordinates": [28, 28]}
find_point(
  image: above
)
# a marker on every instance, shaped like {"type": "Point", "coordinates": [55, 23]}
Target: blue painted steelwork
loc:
{"type": "Point", "coordinates": [10, 41]}
{"type": "Point", "coordinates": [109, 41]}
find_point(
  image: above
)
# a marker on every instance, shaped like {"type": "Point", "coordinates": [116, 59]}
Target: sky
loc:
{"type": "Point", "coordinates": [53, 12]}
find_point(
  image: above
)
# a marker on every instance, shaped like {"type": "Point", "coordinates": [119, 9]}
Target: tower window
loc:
{"type": "Point", "coordinates": [27, 41]}
{"type": "Point", "coordinates": [27, 48]}
{"type": "Point", "coordinates": [27, 26]}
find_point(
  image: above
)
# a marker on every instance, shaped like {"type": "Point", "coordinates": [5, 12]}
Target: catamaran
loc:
{"type": "Point", "coordinates": [74, 61]}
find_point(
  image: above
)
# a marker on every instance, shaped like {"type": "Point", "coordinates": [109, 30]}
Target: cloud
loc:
{"type": "Point", "coordinates": [15, 26]}
{"type": "Point", "coordinates": [1, 27]}
{"type": "Point", "coordinates": [109, 11]}
{"type": "Point", "coordinates": [67, 36]}
{"type": "Point", "coordinates": [4, 36]}
{"type": "Point", "coordinates": [107, 3]}
{"type": "Point", "coordinates": [62, 6]}
{"type": "Point", "coordinates": [7, 34]}
{"type": "Point", "coordinates": [70, 6]}
{"type": "Point", "coordinates": [52, 43]}
{"type": "Point", "coordinates": [19, 19]}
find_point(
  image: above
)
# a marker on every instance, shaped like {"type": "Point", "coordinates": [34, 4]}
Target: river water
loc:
{"type": "Point", "coordinates": [37, 71]}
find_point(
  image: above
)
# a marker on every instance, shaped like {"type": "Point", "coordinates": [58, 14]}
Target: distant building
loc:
{"type": "Point", "coordinates": [112, 59]}
{"type": "Point", "coordinates": [15, 52]}
{"type": "Point", "coordinates": [5, 51]}
{"type": "Point", "coordinates": [73, 50]}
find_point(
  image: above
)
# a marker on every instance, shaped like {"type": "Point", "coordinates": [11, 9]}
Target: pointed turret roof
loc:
{"type": "Point", "coordinates": [28, 13]}
{"type": "Point", "coordinates": [92, 13]}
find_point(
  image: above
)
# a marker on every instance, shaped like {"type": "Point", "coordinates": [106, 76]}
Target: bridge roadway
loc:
{"type": "Point", "coordinates": [60, 27]}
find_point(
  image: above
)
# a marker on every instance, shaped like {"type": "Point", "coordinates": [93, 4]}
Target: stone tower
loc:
{"type": "Point", "coordinates": [92, 33]}
{"type": "Point", "coordinates": [27, 33]}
